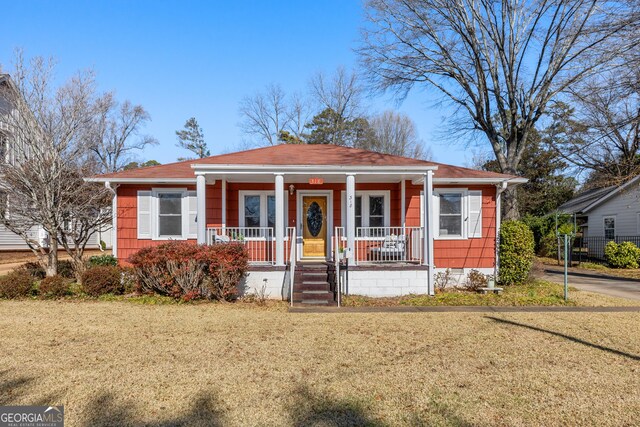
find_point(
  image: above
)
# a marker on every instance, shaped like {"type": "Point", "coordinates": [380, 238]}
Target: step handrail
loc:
{"type": "Point", "coordinates": [292, 262]}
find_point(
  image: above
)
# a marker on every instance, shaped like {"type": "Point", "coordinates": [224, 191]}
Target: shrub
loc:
{"type": "Point", "coordinates": [18, 283]}
{"type": "Point", "coordinates": [65, 269]}
{"type": "Point", "coordinates": [101, 280]}
{"type": "Point", "coordinates": [34, 269]}
{"type": "Point", "coordinates": [516, 252]}
{"type": "Point", "coordinates": [623, 255]}
{"type": "Point", "coordinates": [475, 281]}
{"type": "Point", "coordinates": [548, 245]}
{"type": "Point", "coordinates": [442, 280]}
{"type": "Point", "coordinates": [184, 270]}
{"type": "Point", "coordinates": [103, 260]}
{"type": "Point", "coordinates": [53, 287]}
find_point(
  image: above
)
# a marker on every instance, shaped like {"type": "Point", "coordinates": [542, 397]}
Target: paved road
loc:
{"type": "Point", "coordinates": [594, 282]}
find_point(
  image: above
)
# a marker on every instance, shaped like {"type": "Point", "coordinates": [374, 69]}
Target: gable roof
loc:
{"type": "Point", "coordinates": [309, 155]}
{"type": "Point", "coordinates": [588, 200]}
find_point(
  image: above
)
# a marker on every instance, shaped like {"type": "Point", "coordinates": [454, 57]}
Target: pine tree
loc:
{"type": "Point", "coordinates": [192, 138]}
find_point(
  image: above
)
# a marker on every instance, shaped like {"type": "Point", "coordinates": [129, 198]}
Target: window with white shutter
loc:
{"type": "Point", "coordinates": [474, 222]}
{"type": "Point", "coordinates": [144, 214]}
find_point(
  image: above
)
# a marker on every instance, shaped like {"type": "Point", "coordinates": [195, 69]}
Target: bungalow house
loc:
{"type": "Point", "coordinates": [611, 213]}
{"type": "Point", "coordinates": [300, 209]}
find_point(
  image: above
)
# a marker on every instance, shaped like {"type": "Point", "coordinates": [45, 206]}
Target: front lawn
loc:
{"type": "Point", "coordinates": [114, 363]}
{"type": "Point", "coordinates": [535, 293]}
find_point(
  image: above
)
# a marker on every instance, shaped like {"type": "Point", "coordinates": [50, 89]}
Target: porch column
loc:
{"type": "Point", "coordinates": [224, 206]}
{"type": "Point", "coordinates": [279, 219]}
{"type": "Point", "coordinates": [351, 216]}
{"type": "Point", "coordinates": [201, 213]}
{"type": "Point", "coordinates": [428, 222]}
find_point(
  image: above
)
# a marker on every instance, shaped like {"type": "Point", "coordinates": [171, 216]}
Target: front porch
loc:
{"type": "Point", "coordinates": [326, 218]}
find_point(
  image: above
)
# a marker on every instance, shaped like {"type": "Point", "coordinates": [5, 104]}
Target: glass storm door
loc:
{"type": "Point", "coordinates": [314, 226]}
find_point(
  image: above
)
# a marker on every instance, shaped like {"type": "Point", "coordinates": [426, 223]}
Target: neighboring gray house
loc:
{"type": "Point", "coordinates": [611, 213]}
{"type": "Point", "coordinates": [10, 241]}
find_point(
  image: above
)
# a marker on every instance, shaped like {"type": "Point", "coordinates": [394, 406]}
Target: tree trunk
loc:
{"type": "Point", "coordinates": [510, 203]}
{"type": "Point", "coordinates": [52, 259]}
{"type": "Point", "coordinates": [79, 267]}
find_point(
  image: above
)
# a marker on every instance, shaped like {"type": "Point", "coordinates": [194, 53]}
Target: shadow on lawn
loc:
{"type": "Point", "coordinates": [104, 411]}
{"type": "Point", "coordinates": [568, 337]}
{"type": "Point", "coordinates": [13, 388]}
{"type": "Point", "coordinates": [313, 409]}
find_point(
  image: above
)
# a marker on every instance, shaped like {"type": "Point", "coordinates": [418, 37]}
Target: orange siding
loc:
{"type": "Point", "coordinates": [470, 253]}
{"type": "Point", "coordinates": [128, 242]}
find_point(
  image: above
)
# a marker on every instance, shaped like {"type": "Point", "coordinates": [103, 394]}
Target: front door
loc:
{"type": "Point", "coordinates": [314, 226]}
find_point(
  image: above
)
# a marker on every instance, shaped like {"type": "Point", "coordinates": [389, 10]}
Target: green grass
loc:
{"type": "Point", "coordinates": [534, 293]}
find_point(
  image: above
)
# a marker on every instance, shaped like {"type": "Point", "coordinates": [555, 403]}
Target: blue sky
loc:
{"type": "Point", "coordinates": [185, 58]}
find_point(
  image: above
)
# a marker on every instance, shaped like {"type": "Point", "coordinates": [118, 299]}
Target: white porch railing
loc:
{"type": "Point", "coordinates": [388, 245]}
{"type": "Point", "coordinates": [292, 261]}
{"type": "Point", "coordinates": [259, 241]}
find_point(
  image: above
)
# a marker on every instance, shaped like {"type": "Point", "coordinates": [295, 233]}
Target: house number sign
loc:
{"type": "Point", "coordinates": [316, 181]}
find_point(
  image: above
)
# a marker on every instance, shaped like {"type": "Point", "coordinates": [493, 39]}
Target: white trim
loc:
{"type": "Point", "coordinates": [224, 204]}
{"type": "Point", "coordinates": [365, 196]}
{"type": "Point", "coordinates": [200, 168]}
{"type": "Point", "coordinates": [610, 194]}
{"type": "Point", "coordinates": [155, 223]}
{"type": "Point", "coordinates": [464, 213]}
{"type": "Point", "coordinates": [263, 206]}
{"type": "Point", "coordinates": [403, 204]}
{"type": "Point", "coordinates": [310, 193]}
{"type": "Point", "coordinates": [149, 212]}
{"type": "Point", "coordinates": [156, 181]}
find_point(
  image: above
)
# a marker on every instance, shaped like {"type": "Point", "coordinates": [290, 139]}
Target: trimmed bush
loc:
{"type": "Point", "coordinates": [17, 284]}
{"type": "Point", "coordinates": [516, 252]}
{"type": "Point", "coordinates": [53, 287]}
{"type": "Point", "coordinates": [623, 255]}
{"type": "Point", "coordinates": [188, 271]}
{"type": "Point", "coordinates": [103, 260]}
{"type": "Point", "coordinates": [101, 280]}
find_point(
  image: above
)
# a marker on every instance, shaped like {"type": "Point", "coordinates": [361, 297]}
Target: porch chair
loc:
{"type": "Point", "coordinates": [392, 249]}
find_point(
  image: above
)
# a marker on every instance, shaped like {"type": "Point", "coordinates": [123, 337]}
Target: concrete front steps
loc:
{"type": "Point", "coordinates": [312, 285]}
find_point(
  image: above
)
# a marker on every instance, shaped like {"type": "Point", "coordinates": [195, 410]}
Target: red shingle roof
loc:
{"type": "Point", "coordinates": [300, 155]}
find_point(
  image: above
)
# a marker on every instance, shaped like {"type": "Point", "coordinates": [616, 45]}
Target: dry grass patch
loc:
{"type": "Point", "coordinates": [114, 363]}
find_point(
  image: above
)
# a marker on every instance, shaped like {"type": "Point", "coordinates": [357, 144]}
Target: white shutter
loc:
{"type": "Point", "coordinates": [193, 215]}
{"type": "Point", "coordinates": [475, 214]}
{"type": "Point", "coordinates": [144, 214]}
{"type": "Point", "coordinates": [436, 214]}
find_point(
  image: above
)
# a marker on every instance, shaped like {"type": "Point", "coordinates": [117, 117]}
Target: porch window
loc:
{"type": "Point", "coordinates": [371, 208]}
{"type": "Point", "coordinates": [259, 209]}
{"type": "Point", "coordinates": [609, 227]}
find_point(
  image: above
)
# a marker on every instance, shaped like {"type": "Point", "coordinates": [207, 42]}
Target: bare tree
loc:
{"type": "Point", "coordinates": [600, 130]}
{"type": "Point", "coordinates": [43, 178]}
{"type": "Point", "coordinates": [500, 63]}
{"type": "Point", "coordinates": [395, 133]}
{"type": "Point", "coordinates": [266, 115]}
{"type": "Point", "coordinates": [115, 133]}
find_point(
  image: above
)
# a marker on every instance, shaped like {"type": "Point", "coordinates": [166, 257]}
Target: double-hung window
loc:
{"type": "Point", "coordinates": [167, 214]}
{"type": "Point", "coordinates": [457, 213]}
{"type": "Point", "coordinates": [450, 218]}
{"type": "Point", "coordinates": [609, 227]}
{"type": "Point", "coordinates": [258, 209]}
{"type": "Point", "coordinates": [371, 208]}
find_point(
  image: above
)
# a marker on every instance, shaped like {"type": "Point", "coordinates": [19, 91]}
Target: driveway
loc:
{"type": "Point", "coordinates": [595, 282]}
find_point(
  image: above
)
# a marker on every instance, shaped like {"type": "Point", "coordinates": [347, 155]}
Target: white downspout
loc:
{"type": "Point", "coordinates": [114, 218]}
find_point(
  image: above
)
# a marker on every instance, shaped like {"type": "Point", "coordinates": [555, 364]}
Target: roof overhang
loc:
{"type": "Point", "coordinates": [611, 194]}
{"type": "Point", "coordinates": [115, 180]}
